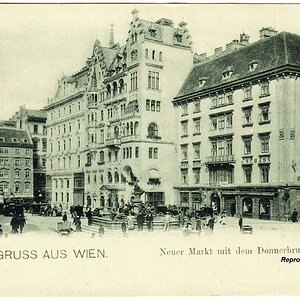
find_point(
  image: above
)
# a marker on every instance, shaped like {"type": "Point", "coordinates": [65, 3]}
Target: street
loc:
{"type": "Point", "coordinates": [41, 225]}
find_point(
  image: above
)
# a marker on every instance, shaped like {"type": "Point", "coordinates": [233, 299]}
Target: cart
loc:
{"type": "Point", "coordinates": [247, 229]}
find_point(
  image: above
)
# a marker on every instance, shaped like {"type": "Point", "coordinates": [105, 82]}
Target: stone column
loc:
{"type": "Point", "coordinates": [255, 207]}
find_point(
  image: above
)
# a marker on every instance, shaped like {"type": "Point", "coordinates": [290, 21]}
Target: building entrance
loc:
{"type": "Point", "coordinates": [156, 198]}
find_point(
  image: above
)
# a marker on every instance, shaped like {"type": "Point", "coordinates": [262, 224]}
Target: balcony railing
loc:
{"type": "Point", "coordinates": [220, 159]}
{"type": "Point", "coordinates": [113, 142]}
{"type": "Point", "coordinates": [196, 163]}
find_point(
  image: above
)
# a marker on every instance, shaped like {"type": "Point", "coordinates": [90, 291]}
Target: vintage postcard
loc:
{"type": "Point", "coordinates": [149, 149]}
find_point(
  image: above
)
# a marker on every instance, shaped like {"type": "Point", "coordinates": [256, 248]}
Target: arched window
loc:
{"type": "Point", "coordinates": [127, 128]}
{"type": "Point", "coordinates": [121, 86]}
{"type": "Point", "coordinates": [146, 53]}
{"type": "Point", "coordinates": [116, 131]}
{"type": "Point", "coordinates": [116, 177]}
{"type": "Point", "coordinates": [102, 115]}
{"type": "Point", "coordinates": [101, 156]}
{"type": "Point", "coordinates": [160, 56]}
{"type": "Point", "coordinates": [153, 54]}
{"type": "Point", "coordinates": [108, 91]}
{"type": "Point", "coordinates": [152, 130]}
{"type": "Point", "coordinates": [131, 128]}
{"type": "Point", "coordinates": [136, 128]}
{"type": "Point", "coordinates": [109, 177]}
{"type": "Point", "coordinates": [115, 88]}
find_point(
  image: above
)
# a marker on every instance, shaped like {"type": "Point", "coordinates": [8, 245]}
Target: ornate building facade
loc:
{"type": "Point", "coordinates": [238, 139]}
{"type": "Point", "coordinates": [34, 122]}
{"type": "Point", "coordinates": [16, 175]}
{"type": "Point", "coordinates": [124, 147]}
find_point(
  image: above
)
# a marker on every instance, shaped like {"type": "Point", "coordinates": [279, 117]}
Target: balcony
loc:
{"type": "Point", "coordinates": [115, 142]}
{"type": "Point", "coordinates": [184, 165]}
{"type": "Point", "coordinates": [197, 164]}
{"type": "Point", "coordinates": [220, 159]}
{"type": "Point", "coordinates": [130, 138]}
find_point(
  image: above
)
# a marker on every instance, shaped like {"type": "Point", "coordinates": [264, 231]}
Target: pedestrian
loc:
{"type": "Point", "coordinates": [223, 217]}
{"type": "Point", "coordinates": [149, 220]}
{"type": "Point", "coordinates": [65, 217]}
{"type": "Point", "coordinates": [199, 226]}
{"type": "Point", "coordinates": [14, 224]}
{"type": "Point", "coordinates": [77, 223]}
{"type": "Point", "coordinates": [167, 220]}
{"type": "Point", "coordinates": [211, 224]}
{"type": "Point", "coordinates": [101, 230]}
{"type": "Point", "coordinates": [124, 228]}
{"type": "Point", "coordinates": [140, 220]}
{"type": "Point", "coordinates": [294, 216]}
{"type": "Point", "coordinates": [193, 221]}
{"type": "Point", "coordinates": [22, 222]}
{"type": "Point", "coordinates": [130, 222]}
{"type": "Point", "coordinates": [1, 231]}
{"type": "Point", "coordinates": [89, 216]}
{"type": "Point", "coordinates": [241, 222]}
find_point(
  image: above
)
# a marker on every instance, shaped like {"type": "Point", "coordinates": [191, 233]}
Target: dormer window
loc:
{"type": "Point", "coordinates": [25, 141]}
{"type": "Point", "coordinates": [227, 72]}
{"type": "Point", "coordinates": [252, 66]}
{"type": "Point", "coordinates": [202, 82]}
{"type": "Point", "coordinates": [14, 140]}
{"type": "Point", "coordinates": [2, 139]}
{"type": "Point", "coordinates": [152, 31]}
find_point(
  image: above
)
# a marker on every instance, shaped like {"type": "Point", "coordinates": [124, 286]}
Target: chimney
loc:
{"type": "Point", "coordinates": [135, 14]}
{"type": "Point", "coordinates": [218, 50]}
{"type": "Point", "coordinates": [233, 45]}
{"type": "Point", "coordinates": [111, 36]}
{"type": "Point", "coordinates": [244, 38]}
{"type": "Point", "coordinates": [267, 32]}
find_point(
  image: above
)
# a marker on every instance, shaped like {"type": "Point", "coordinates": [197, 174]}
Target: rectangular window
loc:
{"type": "Point", "coordinates": [214, 101]}
{"type": "Point", "coordinates": [184, 152]}
{"type": "Point", "coordinates": [27, 173]}
{"type": "Point", "coordinates": [247, 145]}
{"type": "Point", "coordinates": [196, 150]}
{"type": "Point", "coordinates": [150, 153]}
{"type": "Point", "coordinates": [221, 147]}
{"type": "Point", "coordinates": [133, 81]}
{"type": "Point", "coordinates": [152, 105]}
{"type": "Point", "coordinates": [184, 128]}
{"type": "Point", "coordinates": [214, 148]}
{"type": "Point", "coordinates": [184, 176]}
{"type": "Point", "coordinates": [184, 109]}
{"type": "Point", "coordinates": [136, 152]}
{"type": "Point", "coordinates": [221, 100]}
{"type": "Point", "coordinates": [17, 151]}
{"type": "Point", "coordinates": [35, 129]}
{"type": "Point", "coordinates": [264, 174]}
{"type": "Point", "coordinates": [17, 162]}
{"type": "Point", "coordinates": [148, 104]}
{"type": "Point", "coordinates": [248, 93]}
{"type": "Point", "coordinates": [264, 141]}
{"type": "Point", "coordinates": [229, 98]}
{"type": "Point", "coordinates": [265, 113]}
{"type": "Point", "coordinates": [196, 176]}
{"type": "Point", "coordinates": [158, 106]}
{"type": "Point", "coordinates": [3, 173]}
{"type": "Point", "coordinates": [153, 80]}
{"type": "Point", "coordinates": [228, 147]}
{"type": "Point", "coordinates": [265, 88]}
{"type": "Point", "coordinates": [17, 187]}
{"type": "Point", "coordinates": [196, 126]}
{"type": "Point", "coordinates": [229, 120]}
{"type": "Point", "coordinates": [27, 186]}
{"type": "Point", "coordinates": [248, 174]}
{"type": "Point", "coordinates": [214, 121]}
{"type": "Point", "coordinates": [196, 105]}
{"type": "Point", "coordinates": [44, 141]}
{"type": "Point", "coordinates": [17, 173]}
{"type": "Point", "coordinates": [78, 161]}
{"type": "Point", "coordinates": [221, 122]}
{"type": "Point", "coordinates": [155, 153]}
{"type": "Point", "coordinates": [247, 116]}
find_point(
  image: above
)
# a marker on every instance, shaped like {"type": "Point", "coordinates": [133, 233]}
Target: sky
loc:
{"type": "Point", "coordinates": [38, 43]}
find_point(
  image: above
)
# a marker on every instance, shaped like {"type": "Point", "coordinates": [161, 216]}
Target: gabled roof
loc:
{"type": "Point", "coordinates": [269, 53]}
{"type": "Point", "coordinates": [36, 114]}
{"type": "Point", "coordinates": [109, 55]}
{"type": "Point", "coordinates": [14, 138]}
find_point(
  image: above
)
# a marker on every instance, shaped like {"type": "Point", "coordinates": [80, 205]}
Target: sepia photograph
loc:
{"type": "Point", "coordinates": [149, 149]}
